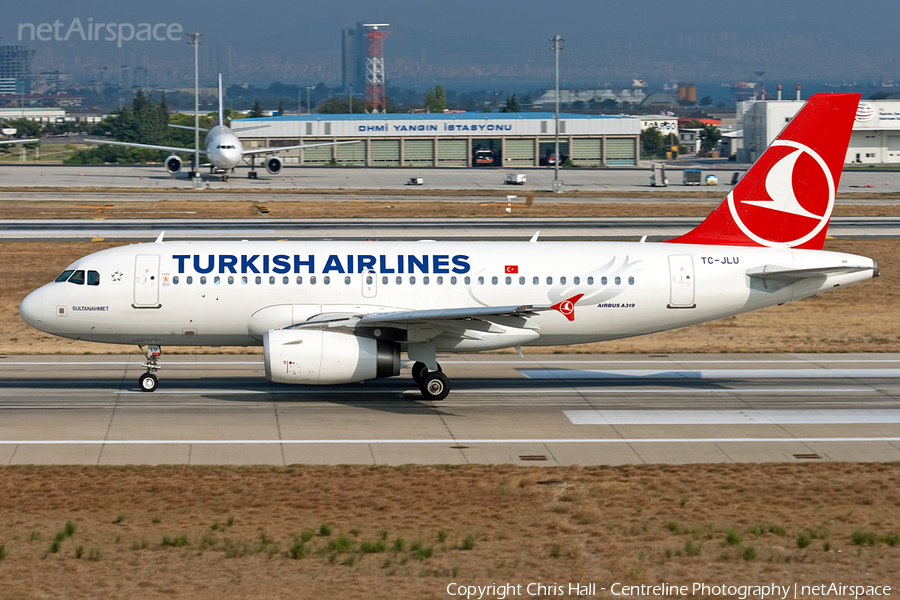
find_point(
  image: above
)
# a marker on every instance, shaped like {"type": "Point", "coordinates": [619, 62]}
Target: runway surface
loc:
{"type": "Point", "coordinates": [537, 410]}
{"type": "Point", "coordinates": [155, 178]}
{"type": "Point", "coordinates": [513, 228]}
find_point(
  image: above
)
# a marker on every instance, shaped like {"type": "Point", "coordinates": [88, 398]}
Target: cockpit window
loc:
{"type": "Point", "coordinates": [65, 276]}
{"type": "Point", "coordinates": [93, 278]}
{"type": "Point", "coordinates": [77, 278]}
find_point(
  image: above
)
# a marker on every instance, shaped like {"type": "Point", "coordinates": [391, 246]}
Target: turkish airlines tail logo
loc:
{"type": "Point", "coordinates": [787, 196]}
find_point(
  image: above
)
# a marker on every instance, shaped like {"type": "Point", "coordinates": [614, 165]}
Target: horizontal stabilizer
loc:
{"type": "Point", "coordinates": [780, 273]}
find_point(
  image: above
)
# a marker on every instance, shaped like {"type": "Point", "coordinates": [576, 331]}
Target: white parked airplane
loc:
{"type": "Point", "coordinates": [340, 312]}
{"type": "Point", "coordinates": [223, 148]}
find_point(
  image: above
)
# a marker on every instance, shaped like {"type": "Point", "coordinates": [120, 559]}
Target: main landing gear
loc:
{"type": "Point", "coordinates": [434, 385]}
{"type": "Point", "coordinates": [148, 382]}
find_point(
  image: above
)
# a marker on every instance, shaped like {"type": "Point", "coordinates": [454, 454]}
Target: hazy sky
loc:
{"type": "Point", "coordinates": [604, 40]}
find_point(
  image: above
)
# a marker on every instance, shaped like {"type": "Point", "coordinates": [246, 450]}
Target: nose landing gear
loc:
{"type": "Point", "coordinates": [148, 382]}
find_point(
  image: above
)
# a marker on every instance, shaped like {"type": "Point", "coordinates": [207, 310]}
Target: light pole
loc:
{"type": "Point", "coordinates": [195, 172]}
{"type": "Point", "coordinates": [556, 47]}
{"type": "Point", "coordinates": [308, 105]}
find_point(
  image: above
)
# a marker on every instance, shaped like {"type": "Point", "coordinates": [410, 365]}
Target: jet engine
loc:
{"type": "Point", "coordinates": [326, 357]}
{"type": "Point", "coordinates": [173, 164]}
{"type": "Point", "coordinates": [273, 165]}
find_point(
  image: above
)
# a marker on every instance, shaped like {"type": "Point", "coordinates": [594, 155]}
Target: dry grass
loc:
{"type": "Point", "coordinates": [861, 318]}
{"type": "Point", "coordinates": [370, 208]}
{"type": "Point", "coordinates": [229, 532]}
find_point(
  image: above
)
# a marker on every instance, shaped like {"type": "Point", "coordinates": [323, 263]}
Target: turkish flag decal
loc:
{"type": "Point", "coordinates": [511, 269]}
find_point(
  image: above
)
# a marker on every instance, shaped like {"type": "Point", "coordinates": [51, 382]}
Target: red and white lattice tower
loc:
{"type": "Point", "coordinates": [375, 66]}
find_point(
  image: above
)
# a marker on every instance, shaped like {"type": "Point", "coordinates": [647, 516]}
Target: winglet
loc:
{"type": "Point", "coordinates": [567, 307]}
{"type": "Point", "coordinates": [160, 238]}
{"type": "Point", "coordinates": [534, 238]}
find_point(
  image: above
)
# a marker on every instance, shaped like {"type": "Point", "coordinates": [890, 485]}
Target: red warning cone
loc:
{"type": "Point", "coordinates": [82, 174]}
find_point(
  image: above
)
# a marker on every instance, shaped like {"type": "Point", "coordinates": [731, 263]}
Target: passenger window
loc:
{"type": "Point", "coordinates": [216, 280]}
{"type": "Point", "coordinates": [326, 279]}
{"type": "Point", "coordinates": [439, 280]}
{"type": "Point", "coordinates": [312, 280]}
{"type": "Point", "coordinates": [467, 280]}
{"type": "Point", "coordinates": [425, 280]}
{"type": "Point", "coordinates": [64, 277]}
{"type": "Point", "coordinates": [203, 280]}
{"type": "Point", "coordinates": [412, 280]}
{"type": "Point", "coordinates": [508, 280]}
{"type": "Point", "coordinates": [285, 280]}
{"type": "Point", "coordinates": [189, 280]}
{"type": "Point", "coordinates": [399, 280]}
{"type": "Point", "coordinates": [93, 278]}
{"type": "Point", "coordinates": [174, 279]}
{"type": "Point", "coordinates": [494, 280]}
{"type": "Point", "coordinates": [271, 280]}
{"type": "Point", "coordinates": [562, 281]}
{"type": "Point", "coordinates": [369, 280]}
{"type": "Point", "coordinates": [536, 281]}
{"type": "Point", "coordinates": [231, 280]}
{"type": "Point", "coordinates": [576, 280]}
{"type": "Point", "coordinates": [299, 279]}
{"type": "Point", "coordinates": [481, 281]}
{"type": "Point", "coordinates": [258, 280]}
{"type": "Point", "coordinates": [384, 279]}
{"type": "Point", "coordinates": [549, 281]}
{"type": "Point", "coordinates": [77, 278]}
{"type": "Point", "coordinates": [347, 279]}
{"type": "Point", "coordinates": [521, 281]}
{"type": "Point", "coordinates": [631, 281]}
{"type": "Point", "coordinates": [453, 280]}
{"type": "Point", "coordinates": [618, 280]}
{"type": "Point", "coordinates": [590, 281]}
{"type": "Point", "coordinates": [603, 281]}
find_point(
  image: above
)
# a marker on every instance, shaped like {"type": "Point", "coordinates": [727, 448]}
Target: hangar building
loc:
{"type": "Point", "coordinates": [449, 139]}
{"type": "Point", "coordinates": [875, 138]}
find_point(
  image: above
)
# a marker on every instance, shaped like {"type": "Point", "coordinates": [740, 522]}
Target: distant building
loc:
{"type": "Point", "coordinates": [124, 79]}
{"type": "Point", "coordinates": [139, 78]}
{"type": "Point", "coordinates": [665, 124]}
{"type": "Point", "coordinates": [15, 69]}
{"type": "Point", "coordinates": [634, 95]}
{"type": "Point", "coordinates": [875, 138]}
{"type": "Point", "coordinates": [353, 58]}
{"type": "Point", "coordinates": [50, 82]}
{"type": "Point", "coordinates": [450, 139]}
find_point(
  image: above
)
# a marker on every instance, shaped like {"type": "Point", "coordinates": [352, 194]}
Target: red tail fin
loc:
{"type": "Point", "coordinates": [786, 197]}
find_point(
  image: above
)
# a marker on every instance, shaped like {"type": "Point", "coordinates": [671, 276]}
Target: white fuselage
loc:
{"type": "Point", "coordinates": [231, 293]}
{"type": "Point", "coordinates": [223, 148]}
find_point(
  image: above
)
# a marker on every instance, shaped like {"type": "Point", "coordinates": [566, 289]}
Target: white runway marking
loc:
{"type": "Point", "coordinates": [710, 374]}
{"type": "Point", "coordinates": [732, 417]}
{"type": "Point", "coordinates": [575, 391]}
{"type": "Point", "coordinates": [461, 441]}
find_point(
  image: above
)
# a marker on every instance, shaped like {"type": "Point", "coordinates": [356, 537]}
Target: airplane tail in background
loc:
{"type": "Point", "coordinates": [787, 196]}
{"type": "Point", "coordinates": [221, 103]}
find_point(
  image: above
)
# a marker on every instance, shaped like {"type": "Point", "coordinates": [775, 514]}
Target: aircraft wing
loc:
{"type": "Point", "coordinates": [468, 321]}
{"type": "Point", "coordinates": [187, 127]}
{"type": "Point", "coordinates": [281, 148]}
{"type": "Point", "coordinates": [150, 146]}
{"type": "Point", "coordinates": [19, 141]}
{"type": "Point", "coordinates": [783, 274]}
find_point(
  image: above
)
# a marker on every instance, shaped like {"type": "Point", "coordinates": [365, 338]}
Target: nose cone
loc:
{"type": "Point", "coordinates": [32, 309]}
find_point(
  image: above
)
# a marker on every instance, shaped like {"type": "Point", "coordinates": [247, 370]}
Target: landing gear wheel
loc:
{"type": "Point", "coordinates": [148, 382]}
{"type": "Point", "coordinates": [435, 386]}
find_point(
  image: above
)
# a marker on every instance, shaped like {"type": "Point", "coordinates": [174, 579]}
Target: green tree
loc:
{"type": "Point", "coordinates": [280, 107]}
{"type": "Point", "coordinates": [436, 99]}
{"type": "Point", "coordinates": [653, 142]}
{"type": "Point", "coordinates": [709, 135]}
{"type": "Point", "coordinates": [512, 104]}
{"type": "Point", "coordinates": [706, 101]}
{"type": "Point", "coordinates": [337, 106]}
{"type": "Point", "coordinates": [257, 110]}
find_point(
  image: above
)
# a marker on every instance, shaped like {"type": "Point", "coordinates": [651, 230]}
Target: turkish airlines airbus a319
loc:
{"type": "Point", "coordinates": [341, 312]}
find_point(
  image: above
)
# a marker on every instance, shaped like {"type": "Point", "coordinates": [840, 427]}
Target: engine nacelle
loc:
{"type": "Point", "coordinates": [326, 357]}
{"type": "Point", "coordinates": [173, 164]}
{"type": "Point", "coordinates": [273, 165]}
